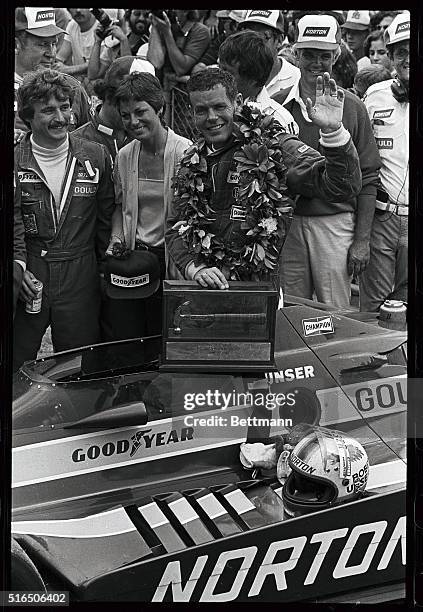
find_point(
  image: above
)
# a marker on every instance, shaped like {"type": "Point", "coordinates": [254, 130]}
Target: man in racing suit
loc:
{"type": "Point", "coordinates": [67, 200]}
{"type": "Point", "coordinates": [214, 98]}
{"type": "Point", "coordinates": [388, 106]}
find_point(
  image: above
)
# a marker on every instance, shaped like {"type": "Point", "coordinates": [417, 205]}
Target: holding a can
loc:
{"type": "Point", "coordinates": [31, 293]}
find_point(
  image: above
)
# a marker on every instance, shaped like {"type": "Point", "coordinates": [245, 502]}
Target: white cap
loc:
{"type": "Point", "coordinates": [399, 29]}
{"type": "Point", "coordinates": [272, 19]}
{"type": "Point", "coordinates": [237, 16]}
{"type": "Point", "coordinates": [38, 21]}
{"type": "Point", "coordinates": [357, 20]}
{"type": "Point", "coordinates": [142, 65]}
{"type": "Point", "coordinates": [318, 32]}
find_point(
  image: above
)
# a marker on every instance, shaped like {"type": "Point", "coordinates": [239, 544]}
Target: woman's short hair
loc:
{"type": "Point", "coordinates": [143, 87]}
{"type": "Point", "coordinates": [40, 86]}
{"type": "Point", "coordinates": [372, 37]}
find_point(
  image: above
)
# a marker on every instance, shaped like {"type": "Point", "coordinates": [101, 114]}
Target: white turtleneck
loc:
{"type": "Point", "coordinates": [53, 164]}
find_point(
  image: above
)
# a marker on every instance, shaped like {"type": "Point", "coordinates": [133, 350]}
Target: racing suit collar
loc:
{"type": "Point", "coordinates": [216, 152]}
{"type": "Point", "coordinates": [76, 148]}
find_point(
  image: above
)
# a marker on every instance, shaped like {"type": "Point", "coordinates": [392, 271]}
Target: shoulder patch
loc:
{"type": "Point", "coordinates": [303, 148]}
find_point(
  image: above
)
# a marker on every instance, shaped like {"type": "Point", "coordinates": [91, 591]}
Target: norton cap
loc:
{"type": "Point", "coordinates": [135, 277]}
{"type": "Point", "coordinates": [271, 19]}
{"type": "Point", "coordinates": [357, 20]}
{"type": "Point", "coordinates": [399, 29]}
{"type": "Point", "coordinates": [318, 32]}
{"type": "Point", "coordinates": [37, 21]}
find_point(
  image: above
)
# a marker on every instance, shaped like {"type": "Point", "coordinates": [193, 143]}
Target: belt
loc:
{"type": "Point", "coordinates": [401, 211]}
{"type": "Point", "coordinates": [58, 255]}
{"type": "Point", "coordinates": [384, 203]}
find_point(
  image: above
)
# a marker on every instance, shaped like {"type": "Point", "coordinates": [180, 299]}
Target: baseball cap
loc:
{"type": "Point", "coordinates": [36, 21]}
{"type": "Point", "coordinates": [122, 66]}
{"type": "Point", "coordinates": [357, 20]}
{"type": "Point", "coordinates": [272, 19]}
{"type": "Point", "coordinates": [399, 29]}
{"type": "Point", "coordinates": [318, 32]}
{"type": "Point", "coordinates": [135, 277]}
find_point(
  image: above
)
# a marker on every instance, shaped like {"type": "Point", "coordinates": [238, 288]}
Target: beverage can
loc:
{"type": "Point", "coordinates": [393, 315]}
{"type": "Point", "coordinates": [34, 306]}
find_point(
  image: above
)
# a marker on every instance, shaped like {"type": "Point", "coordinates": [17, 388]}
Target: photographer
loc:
{"type": "Point", "coordinates": [110, 43]}
{"type": "Point", "coordinates": [177, 49]}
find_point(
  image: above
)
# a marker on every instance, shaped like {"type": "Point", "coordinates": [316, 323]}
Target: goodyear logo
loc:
{"type": "Point", "coordinates": [265, 14]}
{"type": "Point", "coordinates": [385, 143]}
{"type": "Point", "coordinates": [383, 114]}
{"type": "Point", "coordinates": [317, 326]}
{"type": "Point", "coordinates": [313, 31]}
{"type": "Point", "coordinates": [146, 438]}
{"type": "Point", "coordinates": [238, 213]}
{"type": "Point", "coordinates": [135, 281]}
{"type": "Point", "coordinates": [402, 27]}
{"type": "Point", "coordinates": [233, 177]}
{"type": "Point", "coordinates": [44, 16]}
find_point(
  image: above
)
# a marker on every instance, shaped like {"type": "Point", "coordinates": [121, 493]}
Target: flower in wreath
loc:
{"type": "Point", "coordinates": [262, 193]}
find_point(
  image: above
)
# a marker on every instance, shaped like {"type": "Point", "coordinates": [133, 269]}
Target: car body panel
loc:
{"type": "Point", "coordinates": [81, 477]}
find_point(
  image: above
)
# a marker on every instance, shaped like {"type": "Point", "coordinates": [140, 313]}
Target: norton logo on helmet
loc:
{"type": "Point", "coordinates": [310, 31]}
{"type": "Point", "coordinates": [301, 465]}
{"type": "Point", "coordinates": [402, 27]}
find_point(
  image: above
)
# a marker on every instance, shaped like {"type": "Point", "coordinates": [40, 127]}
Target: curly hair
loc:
{"type": "Point", "coordinates": [249, 50]}
{"type": "Point", "coordinates": [372, 37]}
{"type": "Point", "coordinates": [40, 86]}
{"type": "Point", "coordinates": [207, 79]}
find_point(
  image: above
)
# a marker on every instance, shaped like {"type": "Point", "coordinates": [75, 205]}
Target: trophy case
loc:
{"type": "Point", "coordinates": [218, 330]}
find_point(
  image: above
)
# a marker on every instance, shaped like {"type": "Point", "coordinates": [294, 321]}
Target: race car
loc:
{"type": "Point", "coordinates": [128, 486]}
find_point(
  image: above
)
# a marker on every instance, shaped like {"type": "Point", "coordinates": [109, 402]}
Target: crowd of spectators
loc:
{"type": "Point", "coordinates": [105, 80]}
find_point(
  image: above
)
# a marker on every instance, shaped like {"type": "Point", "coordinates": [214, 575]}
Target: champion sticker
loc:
{"type": "Point", "coordinates": [318, 326]}
{"type": "Point", "coordinates": [383, 114]}
{"type": "Point", "coordinates": [303, 148]}
{"type": "Point", "coordinates": [402, 27]}
{"type": "Point", "coordinates": [238, 213]}
{"type": "Point", "coordinates": [30, 223]}
{"type": "Point", "coordinates": [233, 177]}
{"type": "Point", "coordinates": [385, 143]}
{"type": "Point", "coordinates": [313, 31]}
{"type": "Point", "coordinates": [124, 281]}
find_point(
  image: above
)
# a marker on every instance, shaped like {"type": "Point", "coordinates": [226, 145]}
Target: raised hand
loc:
{"type": "Point", "coordinates": [329, 106]}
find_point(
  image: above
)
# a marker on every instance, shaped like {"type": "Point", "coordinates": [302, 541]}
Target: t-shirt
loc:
{"type": "Point", "coordinates": [81, 42]}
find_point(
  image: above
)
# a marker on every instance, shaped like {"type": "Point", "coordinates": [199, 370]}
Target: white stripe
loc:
{"type": "Point", "coordinates": [105, 524]}
{"type": "Point", "coordinates": [211, 506]}
{"type": "Point", "coordinates": [67, 185]}
{"type": "Point", "coordinates": [385, 474]}
{"type": "Point", "coordinates": [183, 511]}
{"type": "Point", "coordinates": [239, 501]}
{"type": "Point", "coordinates": [153, 515]}
{"type": "Point", "coordinates": [100, 468]}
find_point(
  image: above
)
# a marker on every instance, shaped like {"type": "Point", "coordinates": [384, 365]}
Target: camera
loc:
{"type": "Point", "coordinates": [102, 17]}
{"type": "Point", "coordinates": [171, 13]}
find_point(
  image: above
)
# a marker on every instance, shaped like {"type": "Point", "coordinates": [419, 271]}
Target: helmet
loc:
{"type": "Point", "coordinates": [398, 30]}
{"type": "Point", "coordinates": [328, 468]}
